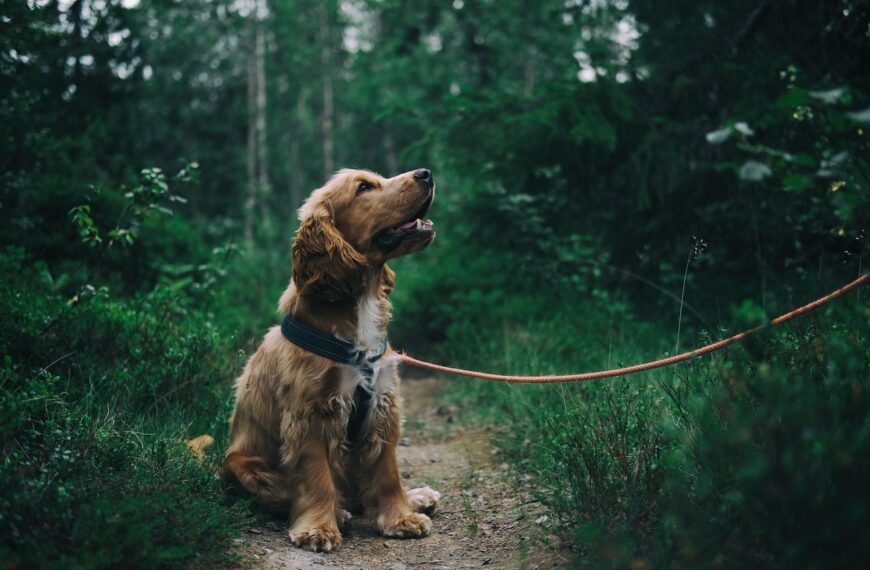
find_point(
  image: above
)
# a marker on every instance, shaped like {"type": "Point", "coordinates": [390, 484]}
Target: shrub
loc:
{"type": "Point", "coordinates": [98, 396]}
{"type": "Point", "coordinates": [82, 487]}
{"type": "Point", "coordinates": [755, 457]}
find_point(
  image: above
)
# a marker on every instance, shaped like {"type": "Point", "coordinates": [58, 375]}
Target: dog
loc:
{"type": "Point", "coordinates": [312, 434]}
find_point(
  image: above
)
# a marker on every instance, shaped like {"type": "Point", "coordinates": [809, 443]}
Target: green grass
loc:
{"type": "Point", "coordinates": [750, 458]}
{"type": "Point", "coordinates": [98, 397]}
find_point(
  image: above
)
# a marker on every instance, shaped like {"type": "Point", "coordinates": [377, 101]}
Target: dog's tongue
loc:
{"type": "Point", "coordinates": [417, 224]}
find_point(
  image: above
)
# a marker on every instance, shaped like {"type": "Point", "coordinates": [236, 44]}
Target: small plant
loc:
{"type": "Point", "coordinates": [81, 217]}
{"type": "Point", "coordinates": [698, 247]}
{"type": "Point", "coordinates": [150, 196]}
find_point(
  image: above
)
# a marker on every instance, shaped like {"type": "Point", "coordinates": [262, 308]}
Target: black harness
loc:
{"type": "Point", "coordinates": [343, 352]}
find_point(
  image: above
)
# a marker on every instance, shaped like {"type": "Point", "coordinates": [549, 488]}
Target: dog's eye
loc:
{"type": "Point", "coordinates": [363, 186]}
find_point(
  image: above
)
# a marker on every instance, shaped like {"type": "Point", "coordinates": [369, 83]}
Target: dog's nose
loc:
{"type": "Point", "coordinates": [424, 175]}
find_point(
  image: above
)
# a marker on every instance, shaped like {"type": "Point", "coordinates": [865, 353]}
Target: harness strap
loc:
{"type": "Point", "coordinates": [343, 352]}
{"type": "Point", "coordinates": [319, 343]}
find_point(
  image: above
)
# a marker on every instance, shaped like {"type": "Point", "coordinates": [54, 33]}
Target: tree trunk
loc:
{"type": "Point", "coordinates": [251, 200]}
{"type": "Point", "coordinates": [529, 82]}
{"type": "Point", "coordinates": [76, 46]}
{"type": "Point", "coordinates": [390, 152]}
{"type": "Point", "coordinates": [296, 177]}
{"type": "Point", "coordinates": [257, 155]}
{"type": "Point", "coordinates": [263, 185]}
{"type": "Point", "coordinates": [326, 73]}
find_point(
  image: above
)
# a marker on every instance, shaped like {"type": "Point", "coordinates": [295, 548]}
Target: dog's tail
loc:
{"type": "Point", "coordinates": [250, 474]}
{"type": "Point", "coordinates": [199, 445]}
{"type": "Point", "coordinates": [247, 474]}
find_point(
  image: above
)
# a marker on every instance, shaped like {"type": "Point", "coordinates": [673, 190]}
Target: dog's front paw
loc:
{"type": "Point", "coordinates": [423, 499]}
{"type": "Point", "coordinates": [316, 539]}
{"type": "Point", "coordinates": [410, 525]}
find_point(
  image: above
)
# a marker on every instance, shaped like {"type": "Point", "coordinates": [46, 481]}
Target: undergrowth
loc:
{"type": "Point", "coordinates": [109, 361]}
{"type": "Point", "coordinates": [754, 457]}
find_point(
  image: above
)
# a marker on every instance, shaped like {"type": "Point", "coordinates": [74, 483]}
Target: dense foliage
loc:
{"type": "Point", "coordinates": [617, 179]}
{"type": "Point", "coordinates": [97, 392]}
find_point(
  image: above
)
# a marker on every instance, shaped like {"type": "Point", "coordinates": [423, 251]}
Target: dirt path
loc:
{"type": "Point", "coordinates": [480, 521]}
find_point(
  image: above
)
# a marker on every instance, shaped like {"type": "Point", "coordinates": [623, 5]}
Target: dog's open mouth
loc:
{"type": "Point", "coordinates": [417, 226]}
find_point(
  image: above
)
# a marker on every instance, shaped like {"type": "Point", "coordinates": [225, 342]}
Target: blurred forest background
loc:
{"type": "Point", "coordinates": [618, 179]}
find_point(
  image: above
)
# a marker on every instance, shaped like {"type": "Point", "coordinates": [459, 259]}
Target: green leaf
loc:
{"type": "Point", "coordinates": [797, 183]}
{"type": "Point", "coordinates": [844, 205]}
{"type": "Point", "coordinates": [749, 314]}
{"type": "Point", "coordinates": [793, 98]}
{"type": "Point", "coordinates": [804, 160]}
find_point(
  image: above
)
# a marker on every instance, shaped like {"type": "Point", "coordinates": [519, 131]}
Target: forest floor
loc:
{"type": "Point", "coordinates": [482, 519]}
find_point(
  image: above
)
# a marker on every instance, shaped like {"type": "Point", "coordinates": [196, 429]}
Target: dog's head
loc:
{"type": "Point", "coordinates": [359, 220]}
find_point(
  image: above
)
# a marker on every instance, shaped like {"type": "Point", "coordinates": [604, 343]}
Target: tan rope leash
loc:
{"type": "Point", "coordinates": [639, 367]}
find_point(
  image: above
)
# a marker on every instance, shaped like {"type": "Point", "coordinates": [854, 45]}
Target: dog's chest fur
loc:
{"type": "Point", "coordinates": [372, 317]}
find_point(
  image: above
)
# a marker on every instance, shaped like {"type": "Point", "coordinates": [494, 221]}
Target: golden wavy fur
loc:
{"type": "Point", "coordinates": [288, 437]}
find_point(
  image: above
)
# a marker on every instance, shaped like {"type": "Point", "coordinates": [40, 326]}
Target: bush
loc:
{"type": "Point", "coordinates": [770, 471]}
{"type": "Point", "coordinates": [752, 458]}
{"type": "Point", "coordinates": [99, 392]}
{"type": "Point", "coordinates": [82, 487]}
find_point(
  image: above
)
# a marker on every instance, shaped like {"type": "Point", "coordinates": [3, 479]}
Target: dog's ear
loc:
{"type": "Point", "coordinates": [325, 265]}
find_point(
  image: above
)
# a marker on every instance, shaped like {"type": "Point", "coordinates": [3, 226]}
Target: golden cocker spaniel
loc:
{"type": "Point", "coordinates": [314, 433]}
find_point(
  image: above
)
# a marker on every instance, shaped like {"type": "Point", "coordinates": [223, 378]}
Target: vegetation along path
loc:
{"type": "Point", "coordinates": [481, 520]}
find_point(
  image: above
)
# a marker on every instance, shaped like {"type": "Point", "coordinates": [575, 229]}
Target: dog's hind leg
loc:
{"type": "Point", "coordinates": [255, 475]}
